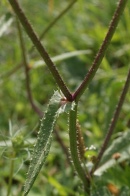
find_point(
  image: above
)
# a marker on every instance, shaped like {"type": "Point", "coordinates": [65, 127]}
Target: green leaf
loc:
{"type": "Point", "coordinates": [43, 142]}
{"type": "Point", "coordinates": [120, 145]}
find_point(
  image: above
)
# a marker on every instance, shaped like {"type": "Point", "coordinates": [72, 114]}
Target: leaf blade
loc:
{"type": "Point", "coordinates": [43, 142]}
{"type": "Point", "coordinates": [120, 145]}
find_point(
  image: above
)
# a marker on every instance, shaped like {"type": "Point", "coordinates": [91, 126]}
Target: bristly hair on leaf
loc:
{"type": "Point", "coordinates": [43, 143]}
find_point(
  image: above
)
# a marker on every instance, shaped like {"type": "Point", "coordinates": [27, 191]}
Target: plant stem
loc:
{"type": "Point", "coordinates": [98, 59]}
{"type": "Point", "coordinates": [51, 24]}
{"type": "Point", "coordinates": [11, 174]}
{"type": "Point", "coordinates": [113, 122]}
{"type": "Point", "coordinates": [74, 152]}
{"type": "Point", "coordinates": [29, 30]}
{"type": "Point", "coordinates": [25, 62]}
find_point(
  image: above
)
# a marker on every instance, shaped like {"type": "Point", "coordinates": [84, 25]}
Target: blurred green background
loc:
{"type": "Point", "coordinates": [82, 29]}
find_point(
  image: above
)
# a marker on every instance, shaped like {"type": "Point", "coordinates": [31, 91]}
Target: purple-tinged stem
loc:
{"type": "Point", "coordinates": [99, 57]}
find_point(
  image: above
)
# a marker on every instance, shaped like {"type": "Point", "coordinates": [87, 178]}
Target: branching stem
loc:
{"type": "Point", "coordinates": [80, 90]}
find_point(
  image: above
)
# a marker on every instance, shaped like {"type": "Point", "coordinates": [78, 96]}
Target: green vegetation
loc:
{"type": "Point", "coordinates": [72, 33]}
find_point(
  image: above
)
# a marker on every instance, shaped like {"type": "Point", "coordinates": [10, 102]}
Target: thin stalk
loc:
{"type": "Point", "coordinates": [51, 24]}
{"type": "Point", "coordinates": [29, 30]}
{"type": "Point", "coordinates": [11, 174]}
{"type": "Point", "coordinates": [26, 68]}
{"type": "Point", "coordinates": [98, 59]}
{"type": "Point", "coordinates": [74, 152]}
{"type": "Point", "coordinates": [113, 122]}
{"type": "Point", "coordinates": [63, 146]}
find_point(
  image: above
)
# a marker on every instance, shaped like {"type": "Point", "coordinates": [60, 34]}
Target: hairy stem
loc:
{"type": "Point", "coordinates": [113, 121]}
{"type": "Point", "coordinates": [74, 152]}
{"type": "Point", "coordinates": [29, 30]}
{"type": "Point", "coordinates": [98, 59]}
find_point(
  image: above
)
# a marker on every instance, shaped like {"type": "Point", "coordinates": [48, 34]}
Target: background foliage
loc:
{"type": "Point", "coordinates": [82, 28]}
